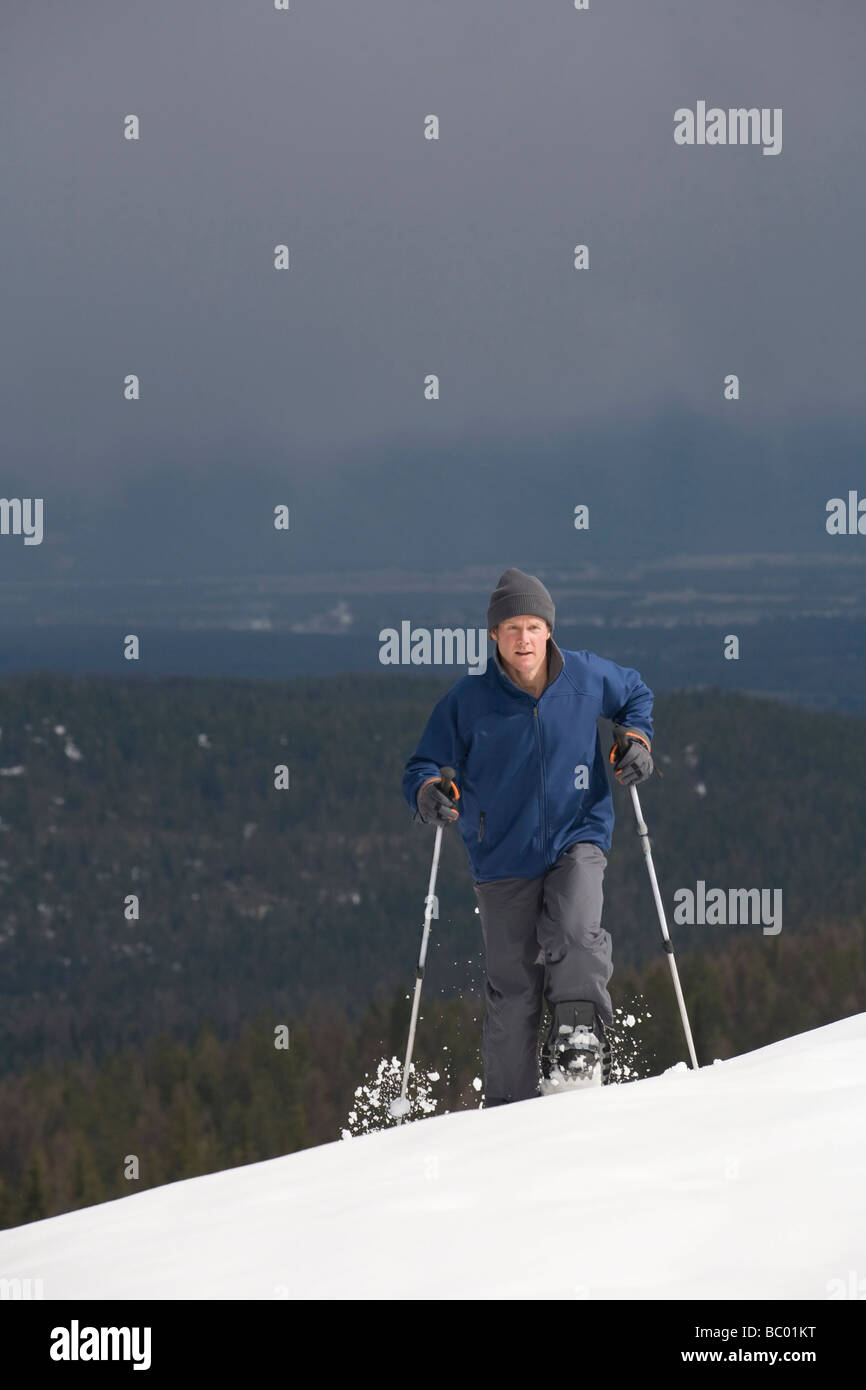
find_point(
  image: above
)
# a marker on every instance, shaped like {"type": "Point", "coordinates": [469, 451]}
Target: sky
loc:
{"type": "Point", "coordinates": [411, 256]}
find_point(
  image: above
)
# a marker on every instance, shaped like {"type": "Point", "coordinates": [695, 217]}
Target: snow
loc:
{"type": "Point", "coordinates": [742, 1180]}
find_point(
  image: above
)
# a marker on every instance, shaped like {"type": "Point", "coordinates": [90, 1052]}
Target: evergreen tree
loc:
{"type": "Point", "coordinates": [88, 1187]}
{"type": "Point", "coordinates": [34, 1197]}
{"type": "Point", "coordinates": [8, 1213]}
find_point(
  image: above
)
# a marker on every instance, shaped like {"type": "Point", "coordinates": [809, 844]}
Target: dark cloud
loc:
{"type": "Point", "coordinates": [411, 257]}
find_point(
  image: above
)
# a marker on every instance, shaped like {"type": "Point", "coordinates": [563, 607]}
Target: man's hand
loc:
{"type": "Point", "coordinates": [635, 764]}
{"type": "Point", "coordinates": [434, 807]}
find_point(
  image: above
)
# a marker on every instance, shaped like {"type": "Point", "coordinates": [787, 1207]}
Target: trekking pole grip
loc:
{"type": "Point", "coordinates": [621, 738]}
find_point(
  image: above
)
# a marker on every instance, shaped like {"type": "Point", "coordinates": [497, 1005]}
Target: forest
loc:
{"type": "Point", "coordinates": [165, 910]}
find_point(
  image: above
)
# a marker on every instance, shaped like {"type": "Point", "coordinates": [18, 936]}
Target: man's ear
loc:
{"type": "Point", "coordinates": [491, 633]}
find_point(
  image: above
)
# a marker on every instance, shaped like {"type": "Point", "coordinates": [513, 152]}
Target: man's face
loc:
{"type": "Point", "coordinates": [522, 642]}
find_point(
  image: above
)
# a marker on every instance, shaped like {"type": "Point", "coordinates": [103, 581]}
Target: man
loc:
{"type": "Point", "coordinates": [533, 804]}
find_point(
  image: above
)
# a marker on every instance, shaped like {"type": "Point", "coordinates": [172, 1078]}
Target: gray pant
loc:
{"type": "Point", "coordinates": [543, 938]}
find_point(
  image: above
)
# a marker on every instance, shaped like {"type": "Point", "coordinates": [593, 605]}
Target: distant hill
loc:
{"type": "Point", "coordinates": [252, 898]}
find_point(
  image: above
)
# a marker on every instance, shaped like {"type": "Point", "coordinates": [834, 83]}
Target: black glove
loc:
{"type": "Point", "coordinates": [634, 765]}
{"type": "Point", "coordinates": [434, 807]}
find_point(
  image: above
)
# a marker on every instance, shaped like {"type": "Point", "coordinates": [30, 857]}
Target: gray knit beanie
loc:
{"type": "Point", "coordinates": [518, 593]}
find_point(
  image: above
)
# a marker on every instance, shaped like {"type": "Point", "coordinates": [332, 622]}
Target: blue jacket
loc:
{"type": "Point", "coordinates": [517, 759]}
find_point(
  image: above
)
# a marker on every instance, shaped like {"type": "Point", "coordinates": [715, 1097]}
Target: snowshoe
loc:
{"type": "Point", "coordinates": [576, 1051]}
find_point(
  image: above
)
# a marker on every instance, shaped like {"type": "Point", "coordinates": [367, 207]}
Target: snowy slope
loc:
{"type": "Point", "coordinates": [745, 1180]}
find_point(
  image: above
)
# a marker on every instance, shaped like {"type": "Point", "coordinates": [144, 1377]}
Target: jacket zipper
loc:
{"type": "Point", "coordinates": [481, 820]}
{"type": "Point", "coordinates": [543, 784]}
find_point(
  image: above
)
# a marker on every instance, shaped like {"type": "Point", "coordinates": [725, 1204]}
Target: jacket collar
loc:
{"type": "Point", "coordinates": [555, 663]}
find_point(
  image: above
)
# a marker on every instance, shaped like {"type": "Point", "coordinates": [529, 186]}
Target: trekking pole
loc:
{"type": "Point", "coordinates": [400, 1108]}
{"type": "Point", "coordinates": [622, 743]}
